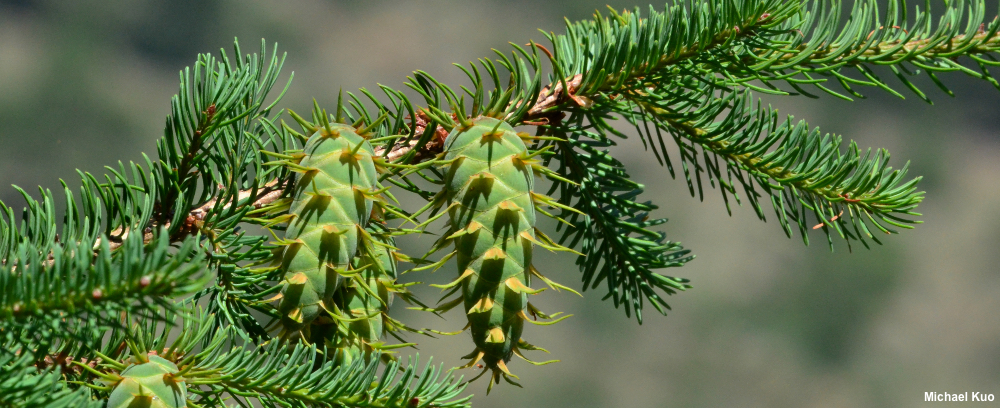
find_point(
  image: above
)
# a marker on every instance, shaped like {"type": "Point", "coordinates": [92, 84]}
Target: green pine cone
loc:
{"type": "Point", "coordinates": [332, 202]}
{"type": "Point", "coordinates": [149, 385]}
{"type": "Point", "coordinates": [366, 314]}
{"type": "Point", "coordinates": [492, 211]}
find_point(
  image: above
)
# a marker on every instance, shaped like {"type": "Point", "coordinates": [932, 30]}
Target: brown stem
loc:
{"type": "Point", "coordinates": [195, 219]}
{"type": "Point", "coordinates": [184, 168]}
{"type": "Point", "coordinates": [433, 147]}
{"type": "Point", "coordinates": [65, 363]}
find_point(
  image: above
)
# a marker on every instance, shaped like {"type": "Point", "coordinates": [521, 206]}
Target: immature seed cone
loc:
{"type": "Point", "coordinates": [366, 314]}
{"type": "Point", "coordinates": [332, 202]}
{"type": "Point", "coordinates": [149, 385]}
{"type": "Point", "coordinates": [492, 221]}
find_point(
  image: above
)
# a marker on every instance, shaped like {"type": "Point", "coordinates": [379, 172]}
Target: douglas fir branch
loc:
{"type": "Point", "coordinates": [149, 290]}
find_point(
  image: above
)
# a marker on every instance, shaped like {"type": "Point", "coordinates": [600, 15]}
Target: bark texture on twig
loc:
{"type": "Point", "coordinates": [195, 219]}
{"type": "Point", "coordinates": [433, 147]}
{"type": "Point", "coordinates": [541, 113]}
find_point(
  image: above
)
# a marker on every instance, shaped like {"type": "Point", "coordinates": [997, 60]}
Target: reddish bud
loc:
{"type": "Point", "coordinates": [97, 294]}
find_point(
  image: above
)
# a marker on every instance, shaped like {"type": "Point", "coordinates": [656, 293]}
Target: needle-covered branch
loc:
{"type": "Point", "coordinates": [854, 193]}
{"type": "Point", "coordinates": [667, 69]}
{"type": "Point", "coordinates": [613, 228]}
{"type": "Point", "coordinates": [300, 378]}
{"type": "Point", "coordinates": [205, 150]}
{"type": "Point", "coordinates": [816, 48]}
{"type": "Point", "coordinates": [223, 366]}
{"type": "Point", "coordinates": [94, 291]}
{"type": "Point", "coordinates": [24, 385]}
{"type": "Point", "coordinates": [58, 295]}
{"type": "Point", "coordinates": [209, 174]}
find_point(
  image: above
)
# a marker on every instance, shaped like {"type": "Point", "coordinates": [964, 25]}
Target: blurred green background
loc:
{"type": "Point", "coordinates": [769, 323]}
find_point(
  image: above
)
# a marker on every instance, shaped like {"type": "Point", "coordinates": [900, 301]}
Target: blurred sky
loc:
{"type": "Point", "coordinates": [769, 323]}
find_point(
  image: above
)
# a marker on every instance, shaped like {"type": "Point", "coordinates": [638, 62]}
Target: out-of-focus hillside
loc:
{"type": "Point", "coordinates": [769, 323]}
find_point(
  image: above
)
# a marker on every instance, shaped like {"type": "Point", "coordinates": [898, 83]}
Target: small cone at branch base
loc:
{"type": "Point", "coordinates": [364, 300]}
{"type": "Point", "coordinates": [149, 385]}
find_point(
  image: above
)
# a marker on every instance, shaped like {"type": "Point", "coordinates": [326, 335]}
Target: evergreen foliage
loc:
{"type": "Point", "coordinates": [177, 260]}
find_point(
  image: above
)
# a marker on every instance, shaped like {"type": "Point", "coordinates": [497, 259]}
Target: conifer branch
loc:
{"type": "Point", "coordinates": [59, 295]}
{"type": "Point", "coordinates": [868, 40]}
{"type": "Point", "coordinates": [206, 141]}
{"type": "Point", "coordinates": [299, 378]}
{"type": "Point", "coordinates": [100, 284]}
{"type": "Point", "coordinates": [223, 364]}
{"type": "Point", "coordinates": [805, 173]}
{"type": "Point", "coordinates": [620, 250]}
{"type": "Point", "coordinates": [254, 199]}
{"type": "Point", "coordinates": [670, 69]}
{"type": "Point", "coordinates": [24, 386]}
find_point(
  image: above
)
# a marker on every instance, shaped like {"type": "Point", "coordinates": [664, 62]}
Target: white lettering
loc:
{"type": "Point", "coordinates": [930, 396]}
{"type": "Point", "coordinates": [950, 397]}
